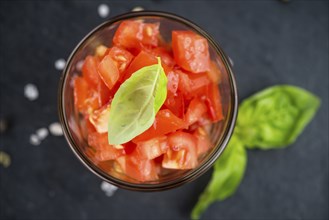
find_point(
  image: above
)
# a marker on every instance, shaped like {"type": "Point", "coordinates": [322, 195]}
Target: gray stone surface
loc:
{"type": "Point", "coordinates": [270, 42]}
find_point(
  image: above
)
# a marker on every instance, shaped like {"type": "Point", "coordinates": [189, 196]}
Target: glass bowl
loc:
{"type": "Point", "coordinates": [220, 132]}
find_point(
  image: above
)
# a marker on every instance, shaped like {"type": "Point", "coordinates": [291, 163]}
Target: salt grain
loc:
{"type": "Point", "coordinates": [60, 64]}
{"type": "Point", "coordinates": [5, 159]}
{"type": "Point", "coordinates": [138, 8]}
{"type": "Point", "coordinates": [109, 189]}
{"type": "Point", "coordinates": [56, 129]}
{"type": "Point", "coordinates": [31, 92]}
{"type": "Point", "coordinates": [103, 10]}
{"type": "Point", "coordinates": [42, 133]}
{"type": "Point", "coordinates": [34, 140]}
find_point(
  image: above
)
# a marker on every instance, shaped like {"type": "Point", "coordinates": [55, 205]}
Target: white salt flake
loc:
{"type": "Point", "coordinates": [56, 129]}
{"type": "Point", "coordinates": [60, 64]}
{"type": "Point", "coordinates": [138, 8]}
{"type": "Point", "coordinates": [103, 10]}
{"type": "Point", "coordinates": [42, 133]}
{"type": "Point", "coordinates": [34, 140]}
{"type": "Point", "coordinates": [108, 188]}
{"type": "Point", "coordinates": [31, 92]}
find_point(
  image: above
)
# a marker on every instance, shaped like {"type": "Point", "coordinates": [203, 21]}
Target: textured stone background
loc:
{"type": "Point", "coordinates": [270, 42]}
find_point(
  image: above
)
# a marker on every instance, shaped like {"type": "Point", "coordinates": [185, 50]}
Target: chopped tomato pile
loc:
{"type": "Point", "coordinates": [179, 136]}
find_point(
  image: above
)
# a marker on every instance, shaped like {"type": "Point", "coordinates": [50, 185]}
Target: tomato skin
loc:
{"type": "Point", "coordinates": [176, 104]}
{"type": "Point", "coordinates": [100, 117]}
{"type": "Point", "coordinates": [120, 57]}
{"type": "Point", "coordinates": [104, 151]}
{"type": "Point", "coordinates": [196, 109]}
{"type": "Point", "coordinates": [191, 51]}
{"type": "Point", "coordinates": [139, 168]}
{"type": "Point", "coordinates": [165, 55]}
{"type": "Point", "coordinates": [165, 122]}
{"type": "Point", "coordinates": [152, 148]}
{"type": "Point", "coordinates": [203, 141]}
{"type": "Point", "coordinates": [108, 71]}
{"type": "Point", "coordinates": [85, 99]}
{"type": "Point", "coordinates": [141, 60]}
{"type": "Point", "coordinates": [104, 94]}
{"type": "Point", "coordinates": [90, 70]}
{"type": "Point", "coordinates": [214, 73]}
{"type": "Point", "coordinates": [182, 153]}
{"type": "Point", "coordinates": [214, 103]}
{"type": "Point", "coordinates": [135, 34]}
{"type": "Point", "coordinates": [173, 81]}
{"type": "Point", "coordinates": [192, 85]}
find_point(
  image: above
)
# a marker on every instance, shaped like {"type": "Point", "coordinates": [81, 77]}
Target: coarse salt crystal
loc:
{"type": "Point", "coordinates": [31, 92]}
{"type": "Point", "coordinates": [56, 129]}
{"type": "Point", "coordinates": [103, 10]}
{"type": "Point", "coordinates": [109, 189]}
{"type": "Point", "coordinates": [42, 133]}
{"type": "Point", "coordinates": [60, 64]}
{"type": "Point", "coordinates": [34, 140]}
{"type": "Point", "coordinates": [4, 159]}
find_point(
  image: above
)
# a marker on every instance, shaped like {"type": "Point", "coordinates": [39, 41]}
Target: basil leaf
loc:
{"type": "Point", "coordinates": [136, 103]}
{"type": "Point", "coordinates": [226, 177]}
{"type": "Point", "coordinates": [274, 117]}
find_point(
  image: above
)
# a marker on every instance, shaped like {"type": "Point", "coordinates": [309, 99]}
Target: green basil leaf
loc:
{"type": "Point", "coordinates": [274, 117]}
{"type": "Point", "coordinates": [226, 177]}
{"type": "Point", "coordinates": [136, 103]}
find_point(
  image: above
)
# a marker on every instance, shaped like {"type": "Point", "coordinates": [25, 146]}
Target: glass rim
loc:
{"type": "Point", "coordinates": [188, 176]}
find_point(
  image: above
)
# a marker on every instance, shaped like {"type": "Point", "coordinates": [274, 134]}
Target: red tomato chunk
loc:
{"type": "Point", "coordinates": [191, 51]}
{"type": "Point", "coordinates": [179, 138]}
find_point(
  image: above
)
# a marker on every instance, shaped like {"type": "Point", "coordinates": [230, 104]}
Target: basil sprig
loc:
{"type": "Point", "coordinates": [136, 103]}
{"type": "Point", "coordinates": [270, 119]}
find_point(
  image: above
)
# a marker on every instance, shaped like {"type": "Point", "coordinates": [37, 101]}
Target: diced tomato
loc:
{"type": "Point", "coordinates": [176, 104]}
{"type": "Point", "coordinates": [129, 147]}
{"type": "Point", "coordinates": [89, 70]}
{"type": "Point", "coordinates": [90, 127]}
{"type": "Point", "coordinates": [139, 168]}
{"type": "Point", "coordinates": [152, 148]}
{"type": "Point", "coordinates": [214, 73]}
{"type": "Point", "coordinates": [203, 141]}
{"type": "Point", "coordinates": [191, 51]}
{"type": "Point", "coordinates": [196, 109]}
{"type": "Point", "coordinates": [165, 55]}
{"type": "Point", "coordinates": [158, 160]}
{"type": "Point", "coordinates": [141, 60]}
{"type": "Point", "coordinates": [150, 34]}
{"type": "Point", "coordinates": [192, 85]}
{"type": "Point", "coordinates": [165, 122]}
{"type": "Point", "coordinates": [108, 71]}
{"type": "Point", "coordinates": [103, 93]}
{"type": "Point", "coordinates": [104, 151]}
{"type": "Point", "coordinates": [182, 153]}
{"type": "Point", "coordinates": [85, 99]}
{"type": "Point", "coordinates": [101, 50]}
{"type": "Point", "coordinates": [173, 80]}
{"type": "Point", "coordinates": [135, 34]}
{"type": "Point", "coordinates": [90, 153]}
{"type": "Point", "coordinates": [100, 118]}
{"type": "Point", "coordinates": [106, 166]}
{"type": "Point", "coordinates": [214, 103]}
{"type": "Point", "coordinates": [121, 57]}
